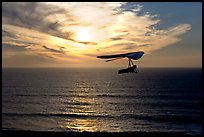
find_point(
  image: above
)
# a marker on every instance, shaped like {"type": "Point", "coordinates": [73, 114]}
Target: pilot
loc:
{"type": "Point", "coordinates": [135, 68]}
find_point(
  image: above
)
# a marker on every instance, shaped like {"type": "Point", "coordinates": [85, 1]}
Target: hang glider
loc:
{"type": "Point", "coordinates": [132, 55]}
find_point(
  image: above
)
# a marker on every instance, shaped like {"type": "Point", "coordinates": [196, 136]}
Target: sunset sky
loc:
{"type": "Point", "coordinates": [72, 34]}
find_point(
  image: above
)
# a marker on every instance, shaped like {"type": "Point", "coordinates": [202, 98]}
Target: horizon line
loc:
{"type": "Point", "coordinates": [99, 67]}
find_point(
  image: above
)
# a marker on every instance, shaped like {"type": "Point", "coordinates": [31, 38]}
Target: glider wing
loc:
{"type": "Point", "coordinates": [131, 55]}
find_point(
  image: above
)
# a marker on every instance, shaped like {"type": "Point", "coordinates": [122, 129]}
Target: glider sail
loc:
{"type": "Point", "coordinates": [131, 55]}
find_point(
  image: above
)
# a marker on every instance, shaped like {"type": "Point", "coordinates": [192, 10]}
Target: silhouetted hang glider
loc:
{"type": "Point", "coordinates": [132, 55]}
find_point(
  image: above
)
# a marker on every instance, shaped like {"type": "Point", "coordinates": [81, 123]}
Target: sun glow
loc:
{"type": "Point", "coordinates": [83, 35]}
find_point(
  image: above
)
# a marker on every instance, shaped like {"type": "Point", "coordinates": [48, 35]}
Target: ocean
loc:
{"type": "Point", "coordinates": [100, 100]}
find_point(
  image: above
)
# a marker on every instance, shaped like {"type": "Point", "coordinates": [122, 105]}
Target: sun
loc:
{"type": "Point", "coordinates": [83, 35]}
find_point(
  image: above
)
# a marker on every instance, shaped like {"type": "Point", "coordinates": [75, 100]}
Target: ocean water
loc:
{"type": "Point", "coordinates": [65, 99]}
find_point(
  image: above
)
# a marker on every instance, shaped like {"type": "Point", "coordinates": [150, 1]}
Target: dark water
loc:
{"type": "Point", "coordinates": [165, 100]}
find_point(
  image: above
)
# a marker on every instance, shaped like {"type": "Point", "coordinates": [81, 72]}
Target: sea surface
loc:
{"type": "Point", "coordinates": [82, 99]}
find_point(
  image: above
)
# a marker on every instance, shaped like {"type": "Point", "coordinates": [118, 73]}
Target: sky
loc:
{"type": "Point", "coordinates": [59, 34]}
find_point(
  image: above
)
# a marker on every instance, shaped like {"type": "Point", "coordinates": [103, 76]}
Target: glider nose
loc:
{"type": "Point", "coordinates": [140, 54]}
{"type": "Point", "coordinates": [136, 55]}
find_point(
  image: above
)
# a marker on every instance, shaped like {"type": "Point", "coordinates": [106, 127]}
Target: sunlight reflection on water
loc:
{"type": "Point", "coordinates": [82, 125]}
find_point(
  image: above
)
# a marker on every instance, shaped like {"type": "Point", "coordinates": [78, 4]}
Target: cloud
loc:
{"type": "Point", "coordinates": [8, 34]}
{"type": "Point", "coordinates": [54, 50]}
{"type": "Point", "coordinates": [118, 38]}
{"type": "Point", "coordinates": [32, 15]}
{"type": "Point", "coordinates": [110, 28]}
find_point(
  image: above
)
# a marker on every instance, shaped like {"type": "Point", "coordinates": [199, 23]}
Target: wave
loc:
{"type": "Point", "coordinates": [166, 96]}
{"type": "Point", "coordinates": [47, 95]}
{"type": "Point", "coordinates": [55, 115]}
{"type": "Point", "coordinates": [192, 119]}
{"type": "Point", "coordinates": [79, 103]}
{"type": "Point", "coordinates": [167, 118]}
{"type": "Point", "coordinates": [117, 96]}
